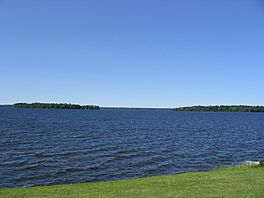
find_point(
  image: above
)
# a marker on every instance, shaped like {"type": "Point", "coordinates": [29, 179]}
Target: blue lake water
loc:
{"type": "Point", "coordinates": [48, 146]}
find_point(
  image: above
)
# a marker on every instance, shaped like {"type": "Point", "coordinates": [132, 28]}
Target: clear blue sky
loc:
{"type": "Point", "coordinates": [140, 53]}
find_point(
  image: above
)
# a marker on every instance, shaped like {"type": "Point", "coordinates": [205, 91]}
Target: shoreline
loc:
{"type": "Point", "coordinates": [235, 181]}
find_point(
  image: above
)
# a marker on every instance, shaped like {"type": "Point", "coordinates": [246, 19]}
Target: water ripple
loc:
{"type": "Point", "coordinates": [44, 147]}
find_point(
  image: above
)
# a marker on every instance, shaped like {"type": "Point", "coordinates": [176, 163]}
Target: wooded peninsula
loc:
{"type": "Point", "coordinates": [222, 108]}
{"type": "Point", "coordinates": [54, 106]}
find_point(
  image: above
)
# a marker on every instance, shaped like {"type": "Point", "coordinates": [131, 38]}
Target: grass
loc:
{"type": "Point", "coordinates": [239, 181]}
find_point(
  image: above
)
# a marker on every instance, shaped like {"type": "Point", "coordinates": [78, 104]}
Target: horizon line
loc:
{"type": "Point", "coordinates": [143, 107]}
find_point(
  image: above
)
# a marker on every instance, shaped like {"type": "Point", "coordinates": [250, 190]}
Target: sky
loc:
{"type": "Point", "coordinates": [140, 53]}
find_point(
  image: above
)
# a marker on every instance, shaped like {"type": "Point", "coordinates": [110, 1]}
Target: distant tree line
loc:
{"type": "Point", "coordinates": [223, 108]}
{"type": "Point", "coordinates": [54, 106]}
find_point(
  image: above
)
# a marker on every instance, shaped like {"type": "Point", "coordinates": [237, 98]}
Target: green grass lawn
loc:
{"type": "Point", "coordinates": [240, 181]}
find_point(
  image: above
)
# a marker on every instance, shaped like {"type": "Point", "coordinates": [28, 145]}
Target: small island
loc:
{"type": "Point", "coordinates": [222, 108]}
{"type": "Point", "coordinates": [38, 105]}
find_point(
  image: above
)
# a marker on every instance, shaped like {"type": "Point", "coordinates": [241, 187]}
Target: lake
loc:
{"type": "Point", "coordinates": [49, 146]}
